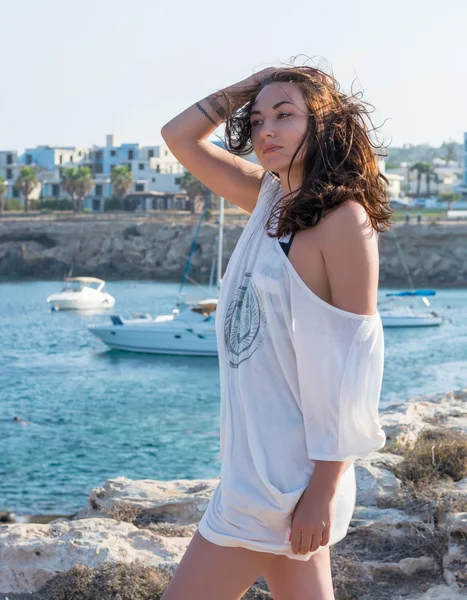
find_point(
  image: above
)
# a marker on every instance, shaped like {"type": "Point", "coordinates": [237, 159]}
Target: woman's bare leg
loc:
{"type": "Point", "coordinates": [290, 579]}
{"type": "Point", "coordinates": [209, 572]}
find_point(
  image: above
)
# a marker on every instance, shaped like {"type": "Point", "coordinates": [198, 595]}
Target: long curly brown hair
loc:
{"type": "Point", "coordinates": [340, 160]}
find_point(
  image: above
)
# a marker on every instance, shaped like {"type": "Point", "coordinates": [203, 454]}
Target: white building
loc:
{"type": "Point", "coordinates": [462, 187]}
{"type": "Point", "coordinates": [9, 170]}
{"type": "Point", "coordinates": [50, 158]}
{"type": "Point", "coordinates": [394, 187]}
{"type": "Point", "coordinates": [447, 175]}
{"type": "Point", "coordinates": [154, 169]}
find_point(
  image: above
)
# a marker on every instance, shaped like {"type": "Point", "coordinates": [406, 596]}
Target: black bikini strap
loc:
{"type": "Point", "coordinates": [286, 245]}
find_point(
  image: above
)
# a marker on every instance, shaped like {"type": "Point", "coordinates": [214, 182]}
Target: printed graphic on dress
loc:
{"type": "Point", "coordinates": [244, 323]}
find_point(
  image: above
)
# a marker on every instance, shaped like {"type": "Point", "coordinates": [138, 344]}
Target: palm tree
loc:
{"type": "Point", "coordinates": [2, 193]}
{"type": "Point", "coordinates": [193, 188]}
{"type": "Point", "coordinates": [25, 184]}
{"type": "Point", "coordinates": [68, 183]}
{"type": "Point", "coordinates": [422, 168]}
{"type": "Point", "coordinates": [437, 179]}
{"type": "Point", "coordinates": [122, 180]}
{"type": "Point", "coordinates": [430, 174]}
{"type": "Point", "coordinates": [84, 184]}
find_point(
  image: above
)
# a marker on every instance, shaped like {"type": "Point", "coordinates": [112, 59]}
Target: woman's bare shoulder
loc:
{"type": "Point", "coordinates": [348, 246]}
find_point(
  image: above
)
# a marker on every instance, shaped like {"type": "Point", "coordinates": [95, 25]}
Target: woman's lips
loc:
{"type": "Point", "coordinates": [272, 149]}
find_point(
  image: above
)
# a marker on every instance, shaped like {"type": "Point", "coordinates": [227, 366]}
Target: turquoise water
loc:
{"type": "Point", "coordinates": [94, 414]}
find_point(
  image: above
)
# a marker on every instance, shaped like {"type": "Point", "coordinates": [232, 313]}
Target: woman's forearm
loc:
{"type": "Point", "coordinates": [200, 120]}
{"type": "Point", "coordinates": [326, 475]}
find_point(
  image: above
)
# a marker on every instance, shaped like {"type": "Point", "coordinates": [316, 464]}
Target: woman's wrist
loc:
{"type": "Point", "coordinates": [238, 93]}
{"type": "Point", "coordinates": [218, 106]}
{"type": "Point", "coordinates": [325, 477]}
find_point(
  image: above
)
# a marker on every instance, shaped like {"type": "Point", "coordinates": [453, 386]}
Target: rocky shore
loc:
{"type": "Point", "coordinates": [157, 249]}
{"type": "Point", "coordinates": [408, 537]}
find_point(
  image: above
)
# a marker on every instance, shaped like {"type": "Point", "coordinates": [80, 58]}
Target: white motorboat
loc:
{"type": "Point", "coordinates": [396, 315]}
{"type": "Point", "coordinates": [406, 317]}
{"type": "Point", "coordinates": [81, 293]}
{"type": "Point", "coordinates": [189, 330]}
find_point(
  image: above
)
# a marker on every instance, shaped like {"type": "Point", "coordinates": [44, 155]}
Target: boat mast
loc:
{"type": "Point", "coordinates": [192, 251]}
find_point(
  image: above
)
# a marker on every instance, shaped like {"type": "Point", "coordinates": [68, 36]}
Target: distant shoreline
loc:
{"type": "Point", "coordinates": [132, 249]}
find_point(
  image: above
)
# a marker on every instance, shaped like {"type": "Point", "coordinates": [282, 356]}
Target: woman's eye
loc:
{"type": "Point", "coordinates": [256, 121]}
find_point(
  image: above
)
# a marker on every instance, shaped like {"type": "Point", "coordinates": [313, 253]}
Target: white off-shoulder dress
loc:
{"type": "Point", "coordinates": [300, 382]}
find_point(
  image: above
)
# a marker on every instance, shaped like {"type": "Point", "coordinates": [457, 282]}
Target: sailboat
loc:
{"type": "Point", "coordinates": [394, 314]}
{"type": "Point", "coordinates": [188, 331]}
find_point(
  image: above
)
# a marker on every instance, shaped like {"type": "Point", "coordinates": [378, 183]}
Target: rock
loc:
{"type": "Point", "coordinates": [180, 501]}
{"type": "Point", "coordinates": [32, 554]}
{"type": "Point", "coordinates": [373, 483]}
{"type": "Point", "coordinates": [440, 592]}
{"type": "Point", "coordinates": [455, 561]}
{"type": "Point", "coordinates": [456, 522]}
{"type": "Point", "coordinates": [365, 516]}
{"type": "Point", "coordinates": [404, 422]}
{"type": "Point", "coordinates": [7, 517]}
{"type": "Point", "coordinates": [385, 460]}
{"type": "Point", "coordinates": [409, 566]}
{"type": "Point", "coordinates": [406, 566]}
{"type": "Point", "coordinates": [47, 247]}
{"type": "Point", "coordinates": [461, 485]}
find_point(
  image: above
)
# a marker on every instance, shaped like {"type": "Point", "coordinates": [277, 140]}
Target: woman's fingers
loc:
{"type": "Point", "coordinates": [326, 535]}
{"type": "Point", "coordinates": [316, 542]}
{"type": "Point", "coordinates": [296, 540]}
{"type": "Point", "coordinates": [308, 539]}
{"type": "Point", "coordinates": [305, 543]}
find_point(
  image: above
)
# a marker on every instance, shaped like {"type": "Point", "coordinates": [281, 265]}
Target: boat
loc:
{"type": "Point", "coordinates": [81, 293]}
{"type": "Point", "coordinates": [189, 330]}
{"type": "Point", "coordinates": [394, 314]}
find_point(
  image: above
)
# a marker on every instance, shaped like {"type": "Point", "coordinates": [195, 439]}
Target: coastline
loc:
{"type": "Point", "coordinates": [408, 536]}
{"type": "Point", "coordinates": [156, 250]}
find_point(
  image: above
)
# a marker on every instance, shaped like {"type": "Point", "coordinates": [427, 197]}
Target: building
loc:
{"type": "Point", "coordinates": [462, 187]}
{"type": "Point", "coordinates": [395, 180]}
{"type": "Point", "coordinates": [50, 158]}
{"type": "Point", "coordinates": [9, 170]}
{"type": "Point", "coordinates": [101, 160]}
{"type": "Point", "coordinates": [446, 179]}
{"type": "Point", "coordinates": [157, 201]}
{"type": "Point", "coordinates": [153, 168]}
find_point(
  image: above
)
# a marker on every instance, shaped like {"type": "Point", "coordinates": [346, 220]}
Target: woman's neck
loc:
{"type": "Point", "coordinates": [295, 179]}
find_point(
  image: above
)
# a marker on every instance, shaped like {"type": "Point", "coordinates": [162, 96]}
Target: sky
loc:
{"type": "Point", "coordinates": [72, 72]}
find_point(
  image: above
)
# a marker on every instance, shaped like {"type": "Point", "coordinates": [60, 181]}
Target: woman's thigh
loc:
{"type": "Point", "coordinates": [209, 572]}
{"type": "Point", "coordinates": [290, 579]}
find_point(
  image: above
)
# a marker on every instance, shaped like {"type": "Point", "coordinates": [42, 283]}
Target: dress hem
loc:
{"type": "Point", "coordinates": [230, 542]}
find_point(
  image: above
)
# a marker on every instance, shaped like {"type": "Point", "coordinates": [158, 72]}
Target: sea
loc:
{"type": "Point", "coordinates": [87, 414]}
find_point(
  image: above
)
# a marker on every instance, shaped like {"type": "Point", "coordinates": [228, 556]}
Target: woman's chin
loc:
{"type": "Point", "coordinates": [273, 162]}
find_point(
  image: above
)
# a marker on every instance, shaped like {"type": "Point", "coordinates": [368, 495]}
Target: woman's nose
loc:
{"type": "Point", "coordinates": [267, 130]}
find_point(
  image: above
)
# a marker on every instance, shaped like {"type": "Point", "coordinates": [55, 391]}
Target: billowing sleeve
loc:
{"type": "Point", "coordinates": [339, 358]}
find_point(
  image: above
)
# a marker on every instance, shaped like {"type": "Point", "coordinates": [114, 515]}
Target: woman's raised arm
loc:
{"type": "Point", "coordinates": [186, 135]}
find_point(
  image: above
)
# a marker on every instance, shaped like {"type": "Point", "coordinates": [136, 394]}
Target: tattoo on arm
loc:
{"type": "Point", "coordinates": [198, 105]}
{"type": "Point", "coordinates": [216, 105]}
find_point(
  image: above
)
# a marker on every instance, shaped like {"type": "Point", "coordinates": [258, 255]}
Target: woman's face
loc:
{"type": "Point", "coordinates": [279, 118]}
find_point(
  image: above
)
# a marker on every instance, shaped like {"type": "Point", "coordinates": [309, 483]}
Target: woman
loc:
{"type": "Point", "coordinates": [300, 339]}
